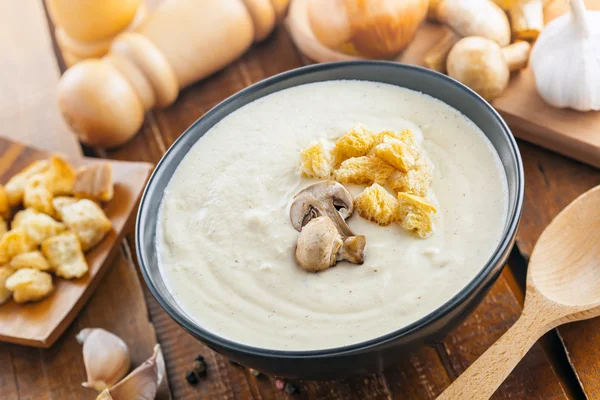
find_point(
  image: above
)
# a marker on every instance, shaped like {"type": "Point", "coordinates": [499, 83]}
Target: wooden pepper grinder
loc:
{"type": "Point", "coordinates": [86, 28]}
{"type": "Point", "coordinates": [181, 42]}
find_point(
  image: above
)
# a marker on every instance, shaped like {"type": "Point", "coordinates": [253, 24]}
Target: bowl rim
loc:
{"type": "Point", "coordinates": [212, 339]}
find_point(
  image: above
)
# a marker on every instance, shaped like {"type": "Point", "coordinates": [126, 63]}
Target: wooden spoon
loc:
{"type": "Point", "coordinates": [563, 285]}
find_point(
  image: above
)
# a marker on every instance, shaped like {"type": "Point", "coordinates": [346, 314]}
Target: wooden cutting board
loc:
{"type": "Point", "coordinates": [572, 133]}
{"type": "Point", "coordinates": [40, 324]}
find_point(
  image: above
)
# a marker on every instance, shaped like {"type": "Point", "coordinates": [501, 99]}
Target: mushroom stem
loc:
{"type": "Point", "coordinates": [353, 249]}
{"type": "Point", "coordinates": [527, 19]}
{"type": "Point", "coordinates": [517, 55]}
{"type": "Point", "coordinates": [436, 57]}
{"type": "Point", "coordinates": [339, 222]}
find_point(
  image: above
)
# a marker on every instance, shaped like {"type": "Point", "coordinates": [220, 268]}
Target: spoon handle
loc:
{"type": "Point", "coordinates": [484, 376]}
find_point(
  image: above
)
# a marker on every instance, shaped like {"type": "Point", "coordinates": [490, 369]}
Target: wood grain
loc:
{"type": "Point", "coordinates": [29, 73]}
{"type": "Point", "coordinates": [57, 373]}
{"type": "Point", "coordinates": [41, 323]}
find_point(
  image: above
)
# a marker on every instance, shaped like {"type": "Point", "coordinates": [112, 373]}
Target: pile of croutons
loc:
{"type": "Point", "coordinates": [384, 160]}
{"type": "Point", "coordinates": [54, 216]}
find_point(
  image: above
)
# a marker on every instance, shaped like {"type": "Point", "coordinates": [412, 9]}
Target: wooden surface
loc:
{"type": "Point", "coordinates": [41, 323]}
{"type": "Point", "coordinates": [28, 108]}
{"type": "Point", "coordinates": [563, 286]}
{"type": "Point", "coordinates": [565, 131]}
{"type": "Point", "coordinates": [545, 373]}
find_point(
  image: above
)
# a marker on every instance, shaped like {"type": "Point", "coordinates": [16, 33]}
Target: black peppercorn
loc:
{"type": "Point", "coordinates": [290, 388]}
{"type": "Point", "coordinates": [191, 378]}
{"type": "Point", "coordinates": [199, 358]}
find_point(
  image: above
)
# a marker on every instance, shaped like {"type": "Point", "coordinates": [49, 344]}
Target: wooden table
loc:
{"type": "Point", "coordinates": [565, 364]}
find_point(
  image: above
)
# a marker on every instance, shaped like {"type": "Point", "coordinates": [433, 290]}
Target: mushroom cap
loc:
{"type": "Point", "coordinates": [480, 64]}
{"type": "Point", "coordinates": [321, 198]}
{"type": "Point", "coordinates": [318, 244]}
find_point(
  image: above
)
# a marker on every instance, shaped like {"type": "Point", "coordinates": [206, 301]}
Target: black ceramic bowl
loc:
{"type": "Point", "coordinates": [375, 354]}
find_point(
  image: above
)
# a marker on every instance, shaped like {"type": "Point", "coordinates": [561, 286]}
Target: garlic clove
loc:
{"type": "Point", "coordinates": [142, 383]}
{"type": "Point", "coordinates": [106, 358]}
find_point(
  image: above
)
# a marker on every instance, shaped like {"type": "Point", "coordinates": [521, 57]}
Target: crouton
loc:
{"type": "Point", "coordinates": [60, 177]}
{"type": "Point", "coordinates": [87, 220]}
{"type": "Point", "coordinates": [397, 153]}
{"type": "Point", "coordinates": [15, 187]}
{"type": "Point", "coordinates": [416, 181]}
{"type": "Point", "coordinates": [3, 227]}
{"type": "Point", "coordinates": [65, 255]}
{"type": "Point", "coordinates": [405, 135]}
{"type": "Point", "coordinates": [38, 195]}
{"type": "Point", "coordinates": [59, 203]}
{"type": "Point", "coordinates": [14, 242]}
{"type": "Point", "coordinates": [355, 143]}
{"type": "Point", "coordinates": [363, 170]}
{"type": "Point", "coordinates": [29, 284]}
{"type": "Point", "coordinates": [415, 214]}
{"type": "Point", "coordinates": [37, 226]}
{"type": "Point", "coordinates": [4, 204]}
{"type": "Point", "coordinates": [33, 259]}
{"type": "Point", "coordinates": [316, 160]}
{"type": "Point", "coordinates": [95, 182]}
{"type": "Point", "coordinates": [376, 204]}
{"type": "Point", "coordinates": [5, 272]}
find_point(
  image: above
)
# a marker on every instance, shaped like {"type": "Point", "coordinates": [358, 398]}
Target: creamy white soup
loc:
{"type": "Point", "coordinates": [226, 244]}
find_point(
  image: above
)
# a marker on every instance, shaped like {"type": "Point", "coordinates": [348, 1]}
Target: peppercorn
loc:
{"type": "Point", "coordinates": [255, 372]}
{"type": "Point", "coordinates": [279, 384]}
{"type": "Point", "coordinates": [199, 358]}
{"type": "Point", "coordinates": [200, 367]}
{"type": "Point", "coordinates": [191, 378]}
{"type": "Point", "coordinates": [290, 388]}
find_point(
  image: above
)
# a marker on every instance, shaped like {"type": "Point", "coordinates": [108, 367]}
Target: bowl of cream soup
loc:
{"type": "Point", "coordinates": [216, 246]}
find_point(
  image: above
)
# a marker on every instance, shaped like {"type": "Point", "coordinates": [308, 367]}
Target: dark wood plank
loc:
{"type": "Point", "coordinates": [57, 373]}
{"type": "Point", "coordinates": [533, 378]}
{"type": "Point", "coordinates": [552, 182]}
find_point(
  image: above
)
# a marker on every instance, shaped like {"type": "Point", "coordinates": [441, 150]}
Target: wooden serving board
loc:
{"type": "Point", "coordinates": [40, 324]}
{"type": "Point", "coordinates": [572, 133]}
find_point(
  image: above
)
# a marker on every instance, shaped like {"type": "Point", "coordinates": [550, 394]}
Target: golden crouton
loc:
{"type": "Point", "coordinates": [65, 255]}
{"type": "Point", "coordinates": [5, 272]}
{"type": "Point", "coordinates": [37, 226]}
{"type": "Point", "coordinates": [59, 203]}
{"type": "Point", "coordinates": [355, 143]}
{"type": "Point", "coordinates": [363, 170]}
{"type": "Point", "coordinates": [29, 284]}
{"type": "Point", "coordinates": [33, 259]}
{"type": "Point", "coordinates": [397, 153]}
{"type": "Point", "coordinates": [4, 205]}
{"type": "Point", "coordinates": [416, 181]}
{"type": "Point", "coordinates": [415, 214]}
{"type": "Point", "coordinates": [15, 187]}
{"type": "Point", "coordinates": [38, 195]}
{"type": "Point", "coordinates": [14, 242]}
{"type": "Point", "coordinates": [316, 160]}
{"type": "Point", "coordinates": [405, 135]}
{"type": "Point", "coordinates": [95, 182]}
{"type": "Point", "coordinates": [377, 204]}
{"type": "Point", "coordinates": [60, 177]}
{"type": "Point", "coordinates": [88, 221]}
{"type": "Point", "coordinates": [3, 227]}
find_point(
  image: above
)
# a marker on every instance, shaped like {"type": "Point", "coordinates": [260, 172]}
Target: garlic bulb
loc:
{"type": "Point", "coordinates": [367, 28]}
{"type": "Point", "coordinates": [566, 60]}
{"type": "Point", "coordinates": [142, 383]}
{"type": "Point", "coordinates": [106, 358]}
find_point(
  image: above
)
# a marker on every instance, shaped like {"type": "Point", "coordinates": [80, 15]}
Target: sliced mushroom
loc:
{"type": "Point", "coordinates": [319, 212]}
{"type": "Point", "coordinates": [321, 246]}
{"type": "Point", "coordinates": [327, 198]}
